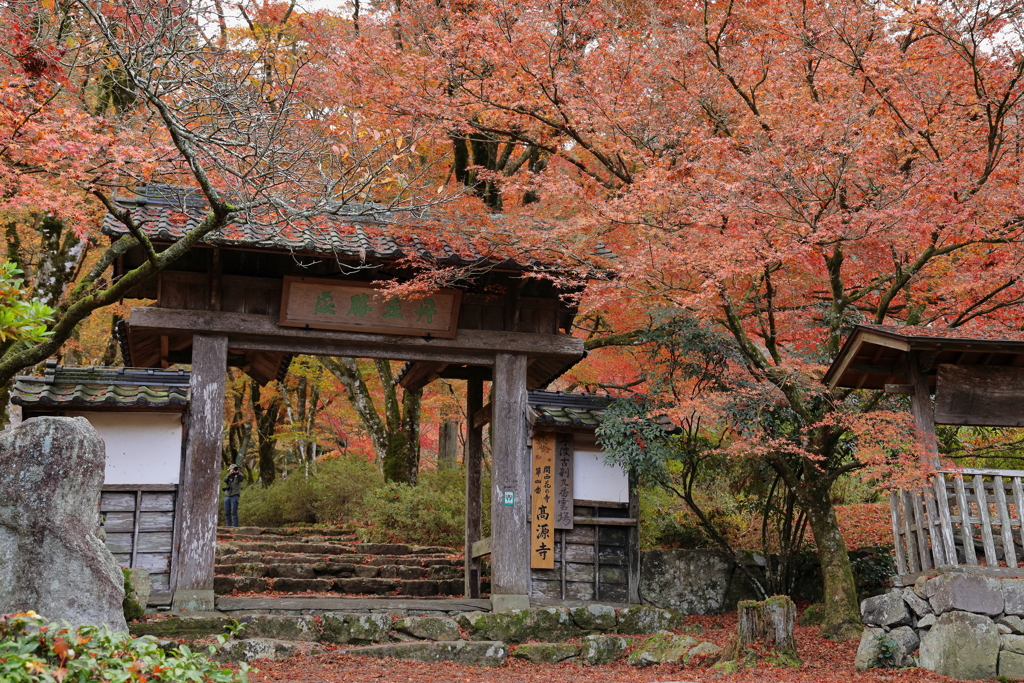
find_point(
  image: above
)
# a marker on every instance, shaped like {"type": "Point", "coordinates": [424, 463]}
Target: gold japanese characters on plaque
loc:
{"type": "Point", "coordinates": [364, 307]}
{"type": "Point", "coordinates": [542, 490]}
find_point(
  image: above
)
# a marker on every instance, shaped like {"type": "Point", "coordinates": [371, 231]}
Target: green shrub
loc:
{"type": "Point", "coordinates": [873, 568]}
{"type": "Point", "coordinates": [288, 500]}
{"type": "Point", "coordinates": [340, 486]}
{"type": "Point", "coordinates": [667, 522]}
{"type": "Point", "coordinates": [32, 651]}
{"type": "Point", "coordinates": [431, 513]}
{"type": "Point", "coordinates": [132, 609]}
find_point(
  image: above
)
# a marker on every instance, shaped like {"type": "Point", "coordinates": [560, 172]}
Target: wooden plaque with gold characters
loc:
{"type": "Point", "coordinates": [542, 494]}
{"type": "Point", "coordinates": [362, 307]}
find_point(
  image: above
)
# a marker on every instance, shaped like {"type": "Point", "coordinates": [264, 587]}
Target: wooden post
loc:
{"type": "Point", "coordinates": [921, 404]}
{"type": "Point", "coordinates": [197, 536]}
{"type": "Point", "coordinates": [510, 498]}
{"type": "Point", "coordinates": [474, 490]}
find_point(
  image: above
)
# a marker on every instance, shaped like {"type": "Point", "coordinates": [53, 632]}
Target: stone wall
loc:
{"type": "Point", "coordinates": [962, 622]}
{"type": "Point", "coordinates": [709, 581]}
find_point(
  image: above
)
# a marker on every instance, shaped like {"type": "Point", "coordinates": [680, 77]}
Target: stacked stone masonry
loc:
{"type": "Point", "coordinates": [297, 560]}
{"type": "Point", "coordinates": [600, 634]}
{"type": "Point", "coordinates": [955, 622]}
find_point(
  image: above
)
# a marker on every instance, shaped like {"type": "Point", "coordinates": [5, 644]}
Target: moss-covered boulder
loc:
{"type": "Point", "coordinates": [428, 628]}
{"type": "Point", "coordinates": [546, 653]}
{"type": "Point", "coordinates": [595, 618]}
{"type": "Point", "coordinates": [551, 624]}
{"type": "Point", "coordinates": [640, 620]}
{"type": "Point", "coordinates": [302, 628]}
{"type": "Point", "coordinates": [188, 628]}
{"type": "Point", "coordinates": [602, 649]}
{"type": "Point", "coordinates": [812, 616]}
{"type": "Point", "coordinates": [663, 648]}
{"type": "Point", "coordinates": [356, 628]}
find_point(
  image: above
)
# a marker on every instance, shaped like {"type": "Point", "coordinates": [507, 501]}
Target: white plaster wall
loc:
{"type": "Point", "coordinates": [593, 480]}
{"type": "Point", "coordinates": [142, 448]}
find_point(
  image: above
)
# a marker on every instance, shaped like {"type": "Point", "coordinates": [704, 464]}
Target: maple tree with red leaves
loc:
{"type": "Point", "coordinates": [774, 172]}
{"type": "Point", "coordinates": [98, 98]}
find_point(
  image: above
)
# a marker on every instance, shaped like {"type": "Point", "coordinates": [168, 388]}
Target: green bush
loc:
{"type": "Point", "coordinates": [340, 486]}
{"type": "Point", "coordinates": [431, 513]}
{"type": "Point", "coordinates": [32, 651]}
{"type": "Point", "coordinates": [667, 522]}
{"type": "Point", "coordinates": [288, 500]}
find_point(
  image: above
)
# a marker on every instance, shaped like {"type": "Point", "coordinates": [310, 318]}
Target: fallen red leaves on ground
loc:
{"type": "Point", "coordinates": [824, 662]}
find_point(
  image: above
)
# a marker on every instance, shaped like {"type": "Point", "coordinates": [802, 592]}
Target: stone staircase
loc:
{"type": "Point", "coordinates": [315, 560]}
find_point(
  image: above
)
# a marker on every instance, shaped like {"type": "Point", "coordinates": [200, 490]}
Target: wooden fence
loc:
{"type": "Point", "coordinates": [966, 517]}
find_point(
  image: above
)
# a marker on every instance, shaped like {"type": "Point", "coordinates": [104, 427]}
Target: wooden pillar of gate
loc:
{"type": "Point", "coordinates": [921, 405]}
{"type": "Point", "coordinates": [196, 537]}
{"type": "Point", "coordinates": [474, 482]}
{"type": "Point", "coordinates": [510, 498]}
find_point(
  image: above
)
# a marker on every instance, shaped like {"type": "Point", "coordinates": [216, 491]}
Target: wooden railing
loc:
{"type": "Point", "coordinates": [966, 517]}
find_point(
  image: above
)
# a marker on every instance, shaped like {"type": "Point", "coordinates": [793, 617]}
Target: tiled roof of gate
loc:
{"type": "Point", "coordinates": [364, 231]}
{"type": "Point", "coordinates": [63, 386]}
{"type": "Point", "coordinates": [559, 409]}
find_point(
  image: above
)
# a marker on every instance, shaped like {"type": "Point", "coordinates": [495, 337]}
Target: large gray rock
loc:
{"type": "Point", "coordinates": [1013, 596]}
{"type": "Point", "coordinates": [688, 581]}
{"type": "Point", "coordinates": [546, 653]}
{"type": "Point", "coordinates": [643, 620]}
{"type": "Point", "coordinates": [356, 628]}
{"type": "Point", "coordinates": [602, 649]}
{"type": "Point", "coordinates": [551, 624]}
{"type": "Point", "coordinates": [907, 642]}
{"type": "Point", "coordinates": [916, 604]}
{"type": "Point", "coordinates": [300, 628]}
{"type": "Point", "coordinates": [595, 618]}
{"type": "Point", "coordinates": [961, 645]}
{"type": "Point", "coordinates": [1016, 624]}
{"type": "Point", "coordinates": [251, 649]}
{"type": "Point", "coordinates": [965, 593]}
{"type": "Point", "coordinates": [663, 648]}
{"type": "Point", "coordinates": [480, 653]}
{"type": "Point", "coordinates": [867, 651]}
{"type": "Point", "coordinates": [429, 628]}
{"type": "Point", "coordinates": [1011, 642]}
{"type": "Point", "coordinates": [51, 471]}
{"type": "Point", "coordinates": [1011, 665]}
{"type": "Point", "coordinates": [888, 609]}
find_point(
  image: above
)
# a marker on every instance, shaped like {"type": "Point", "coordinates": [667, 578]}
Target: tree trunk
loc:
{"type": "Point", "coordinates": [763, 627]}
{"type": "Point", "coordinates": [447, 444]}
{"type": "Point", "coordinates": [266, 432]}
{"type": "Point", "coordinates": [842, 611]}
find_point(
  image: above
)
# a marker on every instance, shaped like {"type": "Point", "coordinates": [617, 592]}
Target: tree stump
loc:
{"type": "Point", "coordinates": [766, 629]}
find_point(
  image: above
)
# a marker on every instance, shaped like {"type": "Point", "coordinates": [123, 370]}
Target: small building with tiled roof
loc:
{"type": "Point", "coordinates": [140, 413]}
{"type": "Point", "coordinates": [593, 507]}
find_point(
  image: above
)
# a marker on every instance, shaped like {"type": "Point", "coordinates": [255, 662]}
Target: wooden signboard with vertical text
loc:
{"type": "Point", "coordinates": [363, 307]}
{"type": "Point", "coordinates": [565, 449]}
{"type": "Point", "coordinates": [542, 495]}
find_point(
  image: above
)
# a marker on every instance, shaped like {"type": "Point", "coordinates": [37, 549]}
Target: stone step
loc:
{"type": "Point", "coordinates": [286, 558]}
{"type": "Point", "coordinates": [286, 531]}
{"type": "Point", "coordinates": [291, 547]}
{"type": "Point", "coordinates": [479, 653]}
{"type": "Point", "coordinates": [226, 584]}
{"type": "Point", "coordinates": [311, 570]}
{"type": "Point", "coordinates": [287, 571]}
{"type": "Point", "coordinates": [347, 540]}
